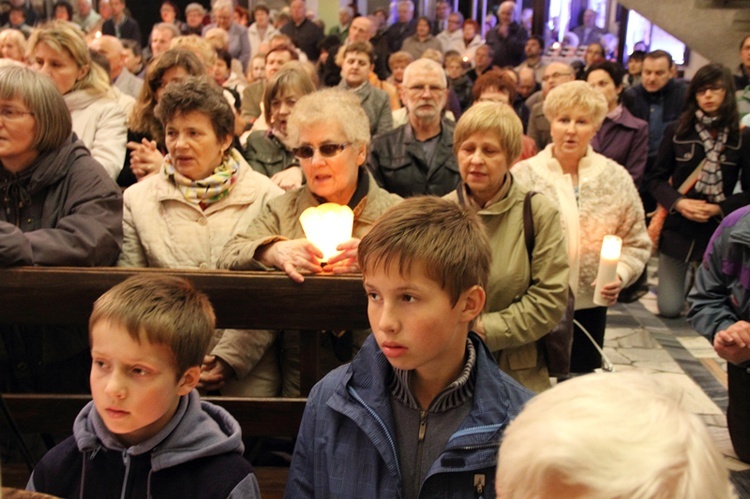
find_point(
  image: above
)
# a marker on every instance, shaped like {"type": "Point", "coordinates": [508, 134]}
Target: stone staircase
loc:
{"type": "Point", "coordinates": [713, 28]}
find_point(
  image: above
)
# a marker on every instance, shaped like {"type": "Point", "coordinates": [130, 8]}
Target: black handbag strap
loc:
{"type": "Point", "coordinates": [528, 223]}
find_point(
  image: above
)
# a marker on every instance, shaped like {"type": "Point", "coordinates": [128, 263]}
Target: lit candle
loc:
{"type": "Point", "coordinates": [608, 260]}
{"type": "Point", "coordinates": [327, 226]}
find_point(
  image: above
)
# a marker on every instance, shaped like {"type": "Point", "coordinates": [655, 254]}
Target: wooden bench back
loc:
{"type": "Point", "coordinates": [243, 300]}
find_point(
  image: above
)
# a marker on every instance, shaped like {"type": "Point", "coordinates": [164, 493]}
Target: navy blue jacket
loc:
{"type": "Point", "coordinates": [346, 445]}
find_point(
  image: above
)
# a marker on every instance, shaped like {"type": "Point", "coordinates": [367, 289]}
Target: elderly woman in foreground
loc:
{"type": "Point", "coordinates": [330, 133]}
{"type": "Point", "coordinates": [527, 292]}
{"type": "Point", "coordinates": [575, 440]}
{"type": "Point", "coordinates": [204, 194]}
{"type": "Point", "coordinates": [57, 207]}
{"type": "Point", "coordinates": [596, 197]}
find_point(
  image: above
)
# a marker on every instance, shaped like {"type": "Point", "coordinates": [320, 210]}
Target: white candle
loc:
{"type": "Point", "coordinates": [327, 226]}
{"type": "Point", "coordinates": [608, 260]}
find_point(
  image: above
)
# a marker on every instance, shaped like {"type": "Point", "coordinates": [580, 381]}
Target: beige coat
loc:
{"type": "Point", "coordinates": [162, 229]}
{"type": "Point", "coordinates": [280, 221]}
{"type": "Point", "coordinates": [524, 300]}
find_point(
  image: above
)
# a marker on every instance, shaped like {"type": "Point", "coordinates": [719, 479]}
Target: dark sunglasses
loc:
{"type": "Point", "coordinates": [326, 150]}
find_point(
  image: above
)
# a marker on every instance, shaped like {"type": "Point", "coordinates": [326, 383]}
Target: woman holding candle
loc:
{"type": "Point", "coordinates": [329, 132]}
{"type": "Point", "coordinates": [706, 141]}
{"type": "Point", "coordinates": [526, 296]}
{"type": "Point", "coordinates": [596, 197]}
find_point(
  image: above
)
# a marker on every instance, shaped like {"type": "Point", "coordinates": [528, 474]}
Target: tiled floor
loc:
{"type": "Point", "coordinates": [637, 338]}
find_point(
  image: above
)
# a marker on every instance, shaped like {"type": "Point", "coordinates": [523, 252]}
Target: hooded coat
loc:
{"type": "Point", "coordinates": [197, 454]}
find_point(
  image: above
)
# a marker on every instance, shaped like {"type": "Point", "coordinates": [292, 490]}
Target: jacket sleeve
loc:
{"type": "Point", "coordinates": [664, 167]}
{"type": "Point", "coordinates": [244, 56]}
{"type": "Point", "coordinates": [239, 252]}
{"type": "Point", "coordinates": [542, 305]}
{"type": "Point", "coordinates": [373, 164]}
{"type": "Point", "coordinates": [110, 139]}
{"type": "Point", "coordinates": [301, 480]}
{"type": "Point", "coordinates": [638, 155]}
{"type": "Point", "coordinates": [636, 245]}
{"type": "Point", "coordinates": [385, 115]}
{"type": "Point", "coordinates": [740, 199]}
{"type": "Point", "coordinates": [246, 489]}
{"type": "Point", "coordinates": [709, 309]}
{"type": "Point", "coordinates": [88, 234]}
{"type": "Point", "coordinates": [243, 348]}
{"type": "Point", "coordinates": [132, 254]}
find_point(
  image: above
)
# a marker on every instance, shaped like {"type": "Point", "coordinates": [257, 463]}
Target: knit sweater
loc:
{"type": "Point", "coordinates": [607, 203]}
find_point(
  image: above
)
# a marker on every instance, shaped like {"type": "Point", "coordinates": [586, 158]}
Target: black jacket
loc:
{"type": "Point", "coordinates": [678, 157]}
{"type": "Point", "coordinates": [398, 163]}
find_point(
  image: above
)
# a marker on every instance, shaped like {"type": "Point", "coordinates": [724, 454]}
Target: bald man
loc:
{"type": "Point", "coordinates": [113, 50]}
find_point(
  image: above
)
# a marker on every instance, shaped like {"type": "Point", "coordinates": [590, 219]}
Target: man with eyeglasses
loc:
{"type": "Point", "coordinates": [555, 74]}
{"type": "Point", "coordinates": [658, 99]}
{"type": "Point", "coordinates": [417, 158]}
{"type": "Point", "coordinates": [452, 36]}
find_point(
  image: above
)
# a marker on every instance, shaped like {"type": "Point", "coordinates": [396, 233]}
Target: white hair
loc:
{"type": "Point", "coordinates": [425, 64]}
{"type": "Point", "coordinates": [610, 436]}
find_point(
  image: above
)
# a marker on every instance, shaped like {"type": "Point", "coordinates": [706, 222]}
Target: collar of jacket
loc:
{"type": "Point", "coordinates": [363, 397]}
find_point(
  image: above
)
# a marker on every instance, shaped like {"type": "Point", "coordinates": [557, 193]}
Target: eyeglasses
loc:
{"type": "Point", "coordinates": [419, 89]}
{"type": "Point", "coordinates": [10, 114]}
{"type": "Point", "coordinates": [715, 88]}
{"type": "Point", "coordinates": [554, 76]}
{"type": "Point", "coordinates": [325, 150]}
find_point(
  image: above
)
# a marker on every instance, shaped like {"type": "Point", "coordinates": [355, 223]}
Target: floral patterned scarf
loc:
{"type": "Point", "coordinates": [211, 189]}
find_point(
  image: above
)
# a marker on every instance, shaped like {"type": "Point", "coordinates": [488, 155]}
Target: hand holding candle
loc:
{"type": "Point", "coordinates": [327, 226]}
{"type": "Point", "coordinates": [610, 257]}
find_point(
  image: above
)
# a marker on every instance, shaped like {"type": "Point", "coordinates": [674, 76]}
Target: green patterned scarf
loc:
{"type": "Point", "coordinates": [208, 190]}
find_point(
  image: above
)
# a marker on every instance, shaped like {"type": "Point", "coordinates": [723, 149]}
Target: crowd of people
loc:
{"type": "Point", "coordinates": [199, 144]}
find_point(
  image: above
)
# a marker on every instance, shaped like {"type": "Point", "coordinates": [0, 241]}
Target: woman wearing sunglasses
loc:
{"type": "Point", "coordinates": [329, 132]}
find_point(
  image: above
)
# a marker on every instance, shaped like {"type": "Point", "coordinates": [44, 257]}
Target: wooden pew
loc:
{"type": "Point", "coordinates": [243, 300]}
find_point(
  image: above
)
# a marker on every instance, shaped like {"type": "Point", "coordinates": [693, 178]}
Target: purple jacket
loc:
{"type": "Point", "coordinates": [624, 141]}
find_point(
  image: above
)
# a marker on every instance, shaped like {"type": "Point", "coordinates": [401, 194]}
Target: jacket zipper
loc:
{"type": "Point", "coordinates": [126, 462]}
{"type": "Point", "coordinates": [420, 446]}
{"type": "Point", "coordinates": [382, 425]}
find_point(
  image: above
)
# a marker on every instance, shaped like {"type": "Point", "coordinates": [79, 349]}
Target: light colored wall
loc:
{"type": "Point", "coordinates": [714, 33]}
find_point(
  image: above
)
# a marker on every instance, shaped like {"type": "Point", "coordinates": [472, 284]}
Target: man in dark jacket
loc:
{"type": "Point", "coordinates": [417, 158]}
{"type": "Point", "coordinates": [120, 24]}
{"type": "Point", "coordinates": [304, 33]}
{"type": "Point", "coordinates": [659, 100]}
{"type": "Point", "coordinates": [404, 27]}
{"type": "Point", "coordinates": [508, 39]}
{"type": "Point", "coordinates": [720, 311]}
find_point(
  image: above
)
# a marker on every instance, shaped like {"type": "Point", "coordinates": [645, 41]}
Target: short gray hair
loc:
{"type": "Point", "coordinates": [578, 96]}
{"type": "Point", "coordinates": [330, 105]}
{"type": "Point", "coordinates": [166, 27]}
{"type": "Point", "coordinates": [588, 430]}
{"type": "Point", "coordinates": [426, 64]}
{"type": "Point", "coordinates": [40, 95]}
{"type": "Point", "coordinates": [195, 7]}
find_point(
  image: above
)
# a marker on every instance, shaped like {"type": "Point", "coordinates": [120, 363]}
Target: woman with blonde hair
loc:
{"type": "Point", "coordinates": [13, 45]}
{"type": "Point", "coordinates": [595, 197]}
{"type": "Point", "coordinates": [59, 51]}
{"type": "Point", "coordinates": [528, 287]}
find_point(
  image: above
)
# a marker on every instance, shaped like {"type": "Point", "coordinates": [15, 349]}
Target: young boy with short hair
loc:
{"type": "Point", "coordinates": [146, 433]}
{"type": "Point", "coordinates": [420, 411]}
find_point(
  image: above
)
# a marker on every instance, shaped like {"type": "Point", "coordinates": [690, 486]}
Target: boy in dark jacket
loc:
{"type": "Point", "coordinates": [146, 433]}
{"type": "Point", "coordinates": [420, 411]}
